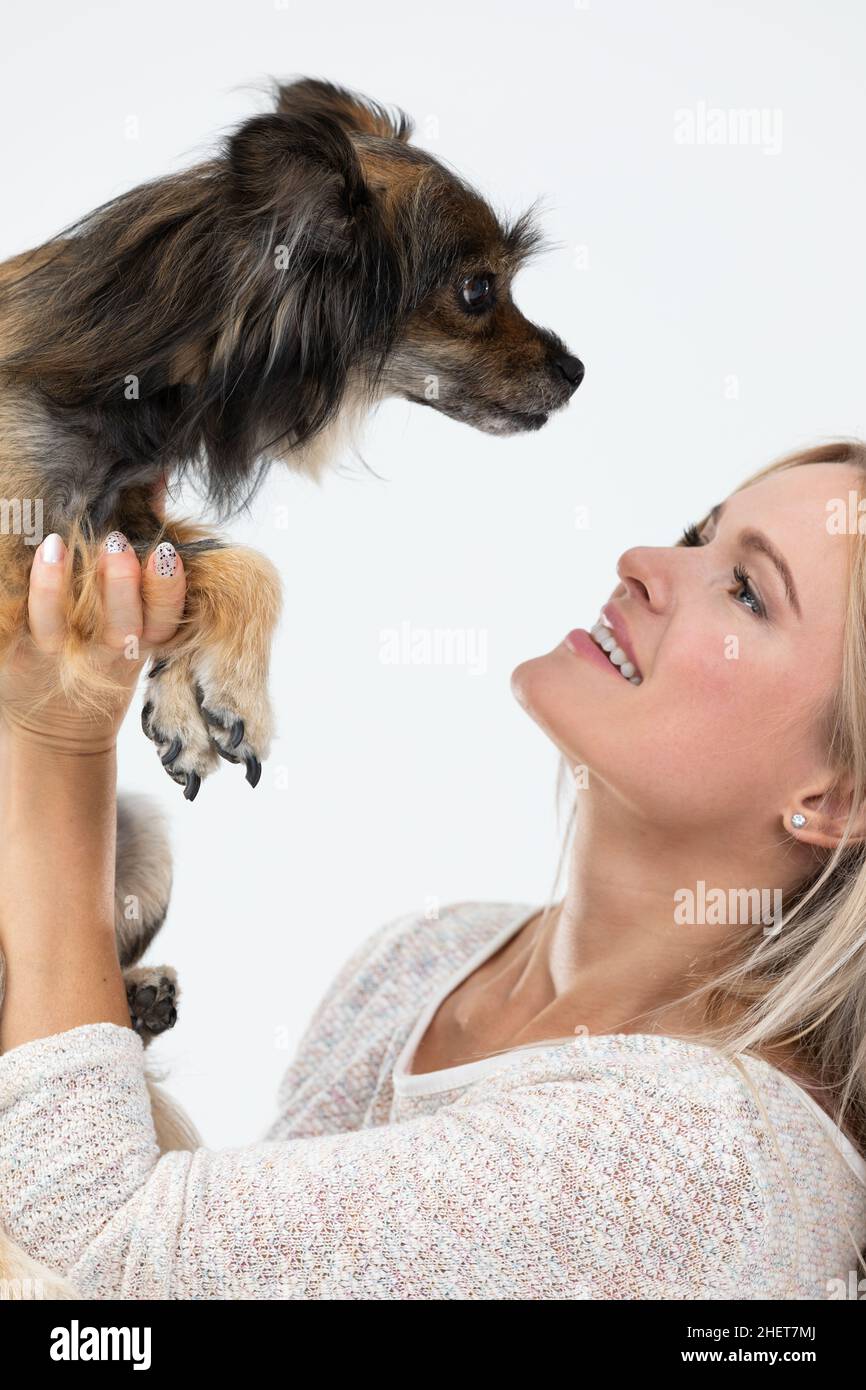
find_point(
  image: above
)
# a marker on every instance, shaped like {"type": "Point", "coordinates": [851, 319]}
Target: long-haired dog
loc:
{"type": "Point", "coordinates": [247, 310]}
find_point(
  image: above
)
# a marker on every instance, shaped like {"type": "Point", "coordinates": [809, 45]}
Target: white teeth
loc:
{"type": "Point", "coordinates": [603, 636]}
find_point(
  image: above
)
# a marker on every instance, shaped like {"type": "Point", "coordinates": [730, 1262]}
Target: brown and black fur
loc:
{"type": "Point", "coordinates": [238, 313]}
{"type": "Point", "coordinates": [245, 311]}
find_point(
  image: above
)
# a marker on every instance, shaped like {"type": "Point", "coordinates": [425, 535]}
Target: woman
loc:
{"type": "Point", "coordinates": [621, 1096]}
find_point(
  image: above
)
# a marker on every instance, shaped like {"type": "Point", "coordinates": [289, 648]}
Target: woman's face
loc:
{"type": "Point", "coordinates": [722, 727]}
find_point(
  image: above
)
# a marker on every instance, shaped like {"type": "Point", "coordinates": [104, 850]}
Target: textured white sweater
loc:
{"type": "Point", "coordinates": [607, 1167]}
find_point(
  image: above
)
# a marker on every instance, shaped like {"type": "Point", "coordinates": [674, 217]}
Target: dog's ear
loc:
{"type": "Point", "coordinates": [301, 170]}
{"type": "Point", "coordinates": [310, 96]}
{"type": "Point", "coordinates": [315, 281]}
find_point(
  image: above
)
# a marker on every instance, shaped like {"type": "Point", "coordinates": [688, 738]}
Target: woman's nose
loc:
{"type": "Point", "coordinates": [643, 574]}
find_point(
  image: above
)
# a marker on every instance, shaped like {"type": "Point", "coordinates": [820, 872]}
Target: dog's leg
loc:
{"type": "Point", "coordinates": [207, 692]}
{"type": "Point", "coordinates": [142, 889]}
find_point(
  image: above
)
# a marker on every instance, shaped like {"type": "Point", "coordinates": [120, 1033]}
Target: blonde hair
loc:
{"type": "Point", "coordinates": [805, 983]}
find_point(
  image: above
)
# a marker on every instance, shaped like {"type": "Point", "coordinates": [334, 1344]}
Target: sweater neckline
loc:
{"type": "Point", "coordinates": [406, 1083]}
{"type": "Point", "coordinates": [410, 1085]}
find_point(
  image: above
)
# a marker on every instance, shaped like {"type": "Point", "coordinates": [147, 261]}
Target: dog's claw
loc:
{"type": "Point", "coordinates": [193, 782]}
{"type": "Point", "coordinates": [173, 750]}
{"type": "Point", "coordinates": [191, 755]}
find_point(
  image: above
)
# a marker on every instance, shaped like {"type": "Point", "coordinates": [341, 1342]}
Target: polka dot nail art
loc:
{"type": "Point", "coordinates": [115, 541]}
{"type": "Point", "coordinates": [165, 559]}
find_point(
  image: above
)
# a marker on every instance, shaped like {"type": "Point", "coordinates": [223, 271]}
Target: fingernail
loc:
{"type": "Point", "coordinates": [114, 542]}
{"type": "Point", "coordinates": [52, 549]}
{"type": "Point", "coordinates": [165, 559]}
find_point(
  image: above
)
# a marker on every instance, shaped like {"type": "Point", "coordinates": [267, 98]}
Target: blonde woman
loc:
{"type": "Point", "coordinates": [620, 1095]}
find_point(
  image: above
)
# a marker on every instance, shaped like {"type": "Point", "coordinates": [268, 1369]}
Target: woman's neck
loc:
{"type": "Point", "coordinates": [649, 915]}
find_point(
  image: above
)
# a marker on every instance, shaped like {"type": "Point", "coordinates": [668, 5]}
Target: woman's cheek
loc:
{"type": "Point", "coordinates": [701, 707]}
{"type": "Point", "coordinates": [725, 669]}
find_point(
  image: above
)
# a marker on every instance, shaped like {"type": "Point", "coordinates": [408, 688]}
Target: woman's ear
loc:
{"type": "Point", "coordinates": [820, 817]}
{"type": "Point", "coordinates": [310, 96]}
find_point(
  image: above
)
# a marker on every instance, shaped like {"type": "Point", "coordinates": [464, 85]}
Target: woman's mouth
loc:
{"type": "Point", "coordinates": [604, 643]}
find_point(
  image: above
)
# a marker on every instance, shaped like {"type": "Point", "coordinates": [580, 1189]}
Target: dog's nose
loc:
{"type": "Point", "coordinates": [571, 367]}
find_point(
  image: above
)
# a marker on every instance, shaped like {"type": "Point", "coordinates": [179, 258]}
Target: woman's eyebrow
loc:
{"type": "Point", "coordinates": [756, 540]}
{"type": "Point", "coordinates": [751, 539]}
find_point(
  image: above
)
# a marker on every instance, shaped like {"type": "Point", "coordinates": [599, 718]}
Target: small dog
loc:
{"type": "Point", "coordinates": [250, 309]}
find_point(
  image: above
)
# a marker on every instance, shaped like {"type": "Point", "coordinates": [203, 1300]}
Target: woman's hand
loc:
{"type": "Point", "coordinates": [140, 611]}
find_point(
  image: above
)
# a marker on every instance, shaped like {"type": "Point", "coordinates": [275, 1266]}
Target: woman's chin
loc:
{"type": "Point", "coordinates": [546, 688]}
{"type": "Point", "coordinates": [532, 682]}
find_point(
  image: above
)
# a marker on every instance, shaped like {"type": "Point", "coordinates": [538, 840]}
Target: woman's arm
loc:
{"type": "Point", "coordinates": [549, 1179]}
{"type": "Point", "coordinates": [58, 800]}
{"type": "Point", "coordinates": [58, 827]}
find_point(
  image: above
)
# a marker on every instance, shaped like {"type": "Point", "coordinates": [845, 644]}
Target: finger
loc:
{"type": "Point", "coordinates": [120, 584]}
{"type": "Point", "coordinates": [46, 600]}
{"type": "Point", "coordinates": [164, 594]}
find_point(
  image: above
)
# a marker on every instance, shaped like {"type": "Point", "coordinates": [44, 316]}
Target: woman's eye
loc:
{"type": "Point", "coordinates": [476, 289]}
{"type": "Point", "coordinates": [691, 535]}
{"type": "Point", "coordinates": [744, 586]}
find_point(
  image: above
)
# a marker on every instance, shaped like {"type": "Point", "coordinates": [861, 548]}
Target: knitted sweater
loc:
{"type": "Point", "coordinates": [625, 1166]}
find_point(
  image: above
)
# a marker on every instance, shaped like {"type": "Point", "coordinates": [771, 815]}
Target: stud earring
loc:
{"type": "Point", "coordinates": [798, 820]}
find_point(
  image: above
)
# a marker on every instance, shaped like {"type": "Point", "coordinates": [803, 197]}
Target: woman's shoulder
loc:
{"type": "Point", "coordinates": [394, 967]}
{"type": "Point", "coordinates": [437, 937]}
{"type": "Point", "coordinates": [696, 1101]}
{"type": "Point", "coordinates": [688, 1166]}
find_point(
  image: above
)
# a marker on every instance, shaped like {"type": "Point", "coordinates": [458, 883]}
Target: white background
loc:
{"type": "Point", "coordinates": [716, 294]}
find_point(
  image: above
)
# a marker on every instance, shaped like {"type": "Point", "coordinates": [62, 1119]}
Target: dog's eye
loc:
{"type": "Point", "coordinates": [476, 290]}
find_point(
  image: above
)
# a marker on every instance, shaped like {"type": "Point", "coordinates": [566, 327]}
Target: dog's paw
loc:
{"type": "Point", "coordinates": [199, 710]}
{"type": "Point", "coordinates": [238, 716]}
{"type": "Point", "coordinates": [152, 993]}
{"type": "Point", "coordinates": [172, 719]}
